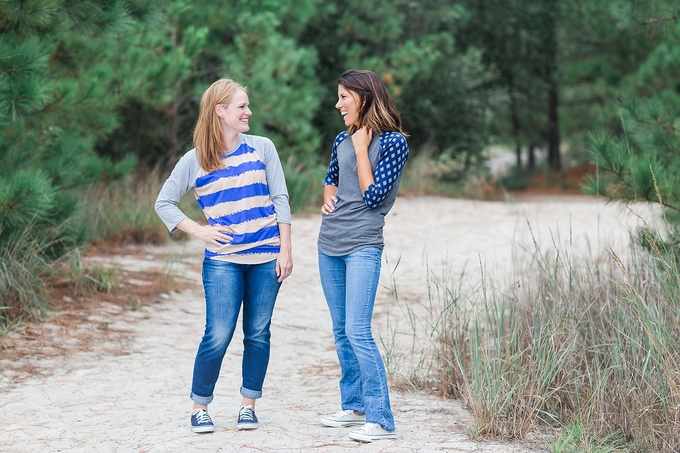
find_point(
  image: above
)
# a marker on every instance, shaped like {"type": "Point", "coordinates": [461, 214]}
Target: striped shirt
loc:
{"type": "Point", "coordinates": [248, 194]}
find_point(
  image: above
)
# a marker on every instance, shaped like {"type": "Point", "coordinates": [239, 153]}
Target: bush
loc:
{"type": "Point", "coordinates": [516, 178]}
{"type": "Point", "coordinates": [22, 279]}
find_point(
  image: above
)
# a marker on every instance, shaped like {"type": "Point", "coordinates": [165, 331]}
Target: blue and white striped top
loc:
{"type": "Point", "coordinates": [248, 194]}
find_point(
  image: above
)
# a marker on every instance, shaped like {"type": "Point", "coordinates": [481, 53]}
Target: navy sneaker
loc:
{"type": "Point", "coordinates": [201, 421]}
{"type": "Point", "coordinates": [246, 418]}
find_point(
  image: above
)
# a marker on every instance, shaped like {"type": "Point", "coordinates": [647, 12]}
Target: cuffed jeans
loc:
{"type": "Point", "coordinates": [350, 283]}
{"type": "Point", "coordinates": [227, 286]}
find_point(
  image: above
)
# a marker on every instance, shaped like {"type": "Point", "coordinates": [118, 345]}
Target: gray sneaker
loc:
{"type": "Point", "coordinates": [342, 419]}
{"type": "Point", "coordinates": [370, 432]}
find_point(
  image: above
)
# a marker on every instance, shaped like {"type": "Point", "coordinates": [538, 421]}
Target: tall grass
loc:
{"type": "Point", "coordinates": [424, 175]}
{"type": "Point", "coordinates": [593, 345]}
{"type": "Point", "coordinates": [24, 264]}
{"type": "Point", "coordinates": [72, 271]}
{"type": "Point", "coordinates": [305, 185]}
{"type": "Point", "coordinates": [123, 212]}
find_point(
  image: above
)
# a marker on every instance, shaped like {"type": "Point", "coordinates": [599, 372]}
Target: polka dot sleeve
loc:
{"type": "Point", "coordinates": [393, 157]}
{"type": "Point", "coordinates": [333, 173]}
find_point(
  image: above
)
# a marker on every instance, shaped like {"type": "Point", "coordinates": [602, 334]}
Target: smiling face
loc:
{"type": "Point", "coordinates": [234, 116]}
{"type": "Point", "coordinates": [348, 104]}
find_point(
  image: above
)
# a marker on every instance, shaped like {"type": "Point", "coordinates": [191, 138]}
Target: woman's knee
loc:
{"type": "Point", "coordinates": [217, 337]}
{"type": "Point", "coordinates": [358, 334]}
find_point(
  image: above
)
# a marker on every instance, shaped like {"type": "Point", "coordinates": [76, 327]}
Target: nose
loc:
{"type": "Point", "coordinates": [248, 111]}
{"type": "Point", "coordinates": [338, 105]}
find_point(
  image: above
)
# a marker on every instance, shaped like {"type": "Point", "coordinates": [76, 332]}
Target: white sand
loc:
{"type": "Point", "coordinates": [137, 401]}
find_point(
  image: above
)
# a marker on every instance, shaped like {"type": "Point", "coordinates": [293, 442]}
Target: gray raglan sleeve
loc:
{"type": "Point", "coordinates": [181, 180]}
{"type": "Point", "coordinates": [276, 181]}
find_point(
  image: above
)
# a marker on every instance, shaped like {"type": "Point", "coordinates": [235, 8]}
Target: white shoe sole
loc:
{"type": "Point", "coordinates": [246, 426]}
{"type": "Point", "coordinates": [367, 438]}
{"type": "Point", "coordinates": [203, 429]}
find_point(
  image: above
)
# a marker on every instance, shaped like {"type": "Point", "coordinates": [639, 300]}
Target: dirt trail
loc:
{"type": "Point", "coordinates": [130, 394]}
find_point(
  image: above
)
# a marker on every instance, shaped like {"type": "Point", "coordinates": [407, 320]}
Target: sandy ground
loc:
{"type": "Point", "coordinates": [130, 393]}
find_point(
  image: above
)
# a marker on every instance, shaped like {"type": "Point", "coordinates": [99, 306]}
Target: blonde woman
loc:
{"type": "Point", "coordinates": [239, 184]}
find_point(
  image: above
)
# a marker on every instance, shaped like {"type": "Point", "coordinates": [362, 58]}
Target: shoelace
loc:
{"type": "Point", "coordinates": [202, 417]}
{"type": "Point", "coordinates": [246, 413]}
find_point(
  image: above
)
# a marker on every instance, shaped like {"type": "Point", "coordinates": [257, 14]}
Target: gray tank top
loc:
{"type": "Point", "coordinates": [353, 225]}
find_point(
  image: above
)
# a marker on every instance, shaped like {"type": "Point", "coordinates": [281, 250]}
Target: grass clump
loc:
{"type": "Point", "coordinates": [82, 279]}
{"type": "Point", "coordinates": [594, 346]}
{"type": "Point", "coordinates": [24, 265]}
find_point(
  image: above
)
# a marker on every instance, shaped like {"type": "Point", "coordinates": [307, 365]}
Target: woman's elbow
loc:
{"type": "Point", "coordinates": [372, 203]}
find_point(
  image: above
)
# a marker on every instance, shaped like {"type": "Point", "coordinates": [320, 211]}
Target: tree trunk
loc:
{"type": "Point", "coordinates": [554, 159]}
{"type": "Point", "coordinates": [175, 143]}
{"type": "Point", "coordinates": [531, 119]}
{"type": "Point", "coordinates": [515, 125]}
{"type": "Point", "coordinates": [171, 128]}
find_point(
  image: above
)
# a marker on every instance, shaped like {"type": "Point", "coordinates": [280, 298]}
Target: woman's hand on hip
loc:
{"type": "Point", "coordinates": [213, 234]}
{"type": "Point", "coordinates": [329, 205]}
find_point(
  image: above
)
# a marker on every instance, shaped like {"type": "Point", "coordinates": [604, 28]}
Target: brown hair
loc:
{"type": "Point", "coordinates": [377, 111]}
{"type": "Point", "coordinates": [208, 137]}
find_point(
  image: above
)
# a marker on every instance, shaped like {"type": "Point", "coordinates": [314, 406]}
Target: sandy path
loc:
{"type": "Point", "coordinates": [138, 401]}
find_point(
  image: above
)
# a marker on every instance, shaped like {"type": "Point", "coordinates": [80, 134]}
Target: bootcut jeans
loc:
{"type": "Point", "coordinates": [227, 286]}
{"type": "Point", "coordinates": [350, 283]}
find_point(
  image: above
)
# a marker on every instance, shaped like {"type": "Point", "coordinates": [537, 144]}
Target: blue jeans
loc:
{"type": "Point", "coordinates": [226, 286]}
{"type": "Point", "coordinates": [350, 283]}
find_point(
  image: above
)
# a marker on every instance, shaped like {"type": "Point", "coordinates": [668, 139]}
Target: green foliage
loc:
{"type": "Point", "coordinates": [26, 198]}
{"type": "Point", "coordinates": [574, 439]}
{"type": "Point", "coordinates": [83, 279]}
{"type": "Point", "coordinates": [516, 178]}
{"type": "Point", "coordinates": [23, 268]}
{"type": "Point", "coordinates": [280, 75]}
{"type": "Point", "coordinates": [57, 98]}
{"type": "Point", "coordinates": [643, 162]}
{"type": "Point", "coordinates": [169, 63]}
{"type": "Point", "coordinates": [56, 87]}
{"type": "Point", "coordinates": [439, 91]}
{"type": "Point", "coordinates": [637, 158]}
{"type": "Point", "coordinates": [305, 185]}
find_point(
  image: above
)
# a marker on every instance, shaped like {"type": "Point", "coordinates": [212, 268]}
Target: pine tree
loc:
{"type": "Point", "coordinates": [640, 160]}
{"type": "Point", "coordinates": [439, 91]}
{"type": "Point", "coordinates": [194, 43]}
{"type": "Point", "coordinates": [55, 102]}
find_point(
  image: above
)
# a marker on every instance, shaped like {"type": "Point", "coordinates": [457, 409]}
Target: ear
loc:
{"type": "Point", "coordinates": [219, 111]}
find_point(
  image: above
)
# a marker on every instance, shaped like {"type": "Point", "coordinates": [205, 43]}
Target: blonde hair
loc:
{"type": "Point", "coordinates": [208, 138]}
{"type": "Point", "coordinates": [376, 109]}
